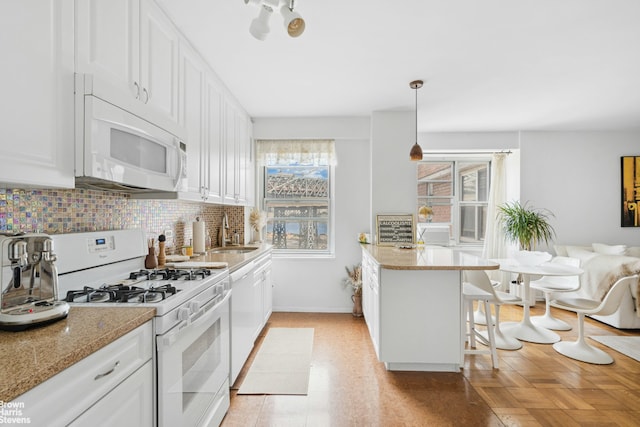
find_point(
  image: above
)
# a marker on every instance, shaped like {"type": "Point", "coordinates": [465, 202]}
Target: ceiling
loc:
{"type": "Point", "coordinates": [490, 65]}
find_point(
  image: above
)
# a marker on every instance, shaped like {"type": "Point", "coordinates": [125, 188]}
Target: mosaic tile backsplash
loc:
{"type": "Point", "coordinates": [56, 211]}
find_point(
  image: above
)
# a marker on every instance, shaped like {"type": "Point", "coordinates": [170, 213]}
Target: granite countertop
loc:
{"type": "Point", "coordinates": [234, 260]}
{"type": "Point", "coordinates": [427, 258]}
{"type": "Point", "coordinates": [32, 356]}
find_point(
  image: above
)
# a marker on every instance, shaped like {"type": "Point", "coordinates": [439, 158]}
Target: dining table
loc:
{"type": "Point", "coordinates": [526, 330]}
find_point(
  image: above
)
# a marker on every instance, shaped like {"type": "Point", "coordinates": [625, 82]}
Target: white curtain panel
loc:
{"type": "Point", "coordinates": [494, 243]}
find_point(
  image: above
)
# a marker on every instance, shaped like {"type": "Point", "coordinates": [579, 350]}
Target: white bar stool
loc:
{"type": "Point", "coordinates": [470, 294]}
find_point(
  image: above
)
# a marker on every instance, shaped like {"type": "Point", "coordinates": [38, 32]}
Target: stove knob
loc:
{"type": "Point", "coordinates": [183, 313]}
{"type": "Point", "coordinates": [194, 306]}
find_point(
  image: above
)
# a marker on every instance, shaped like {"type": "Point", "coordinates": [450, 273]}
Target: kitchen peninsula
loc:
{"type": "Point", "coordinates": [412, 303]}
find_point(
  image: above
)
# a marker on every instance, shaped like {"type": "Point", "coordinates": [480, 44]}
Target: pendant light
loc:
{"type": "Point", "coordinates": [416, 150]}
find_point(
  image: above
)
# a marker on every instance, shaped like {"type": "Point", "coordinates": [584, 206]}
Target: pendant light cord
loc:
{"type": "Point", "coordinates": [416, 114]}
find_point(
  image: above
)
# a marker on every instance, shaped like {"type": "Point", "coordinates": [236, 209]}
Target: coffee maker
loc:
{"type": "Point", "coordinates": [28, 282]}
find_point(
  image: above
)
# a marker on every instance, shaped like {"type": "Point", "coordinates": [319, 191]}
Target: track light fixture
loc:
{"type": "Point", "coordinates": [293, 22]}
{"type": "Point", "coordinates": [416, 151]}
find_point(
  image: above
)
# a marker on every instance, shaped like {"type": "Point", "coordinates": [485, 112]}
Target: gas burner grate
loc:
{"type": "Point", "coordinates": [150, 274]}
{"type": "Point", "coordinates": [152, 294]}
{"type": "Point", "coordinates": [104, 293]}
{"type": "Point", "coordinates": [170, 274]}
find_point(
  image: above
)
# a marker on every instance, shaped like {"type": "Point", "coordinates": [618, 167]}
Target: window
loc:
{"type": "Point", "coordinates": [455, 194]}
{"type": "Point", "coordinates": [296, 195]}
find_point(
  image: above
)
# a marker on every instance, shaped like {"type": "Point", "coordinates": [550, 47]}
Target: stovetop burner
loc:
{"type": "Point", "coordinates": [121, 293]}
{"type": "Point", "coordinates": [170, 274]}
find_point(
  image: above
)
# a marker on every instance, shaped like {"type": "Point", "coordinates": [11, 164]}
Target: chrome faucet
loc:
{"type": "Point", "coordinates": [223, 230]}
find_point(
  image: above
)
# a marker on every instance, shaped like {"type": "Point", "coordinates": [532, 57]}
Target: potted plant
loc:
{"type": "Point", "coordinates": [354, 281]}
{"type": "Point", "coordinates": [525, 225]}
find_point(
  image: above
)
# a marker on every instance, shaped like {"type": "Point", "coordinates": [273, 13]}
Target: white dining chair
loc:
{"type": "Point", "coordinates": [471, 294]}
{"type": "Point", "coordinates": [479, 315]}
{"type": "Point", "coordinates": [580, 349]}
{"type": "Point", "coordinates": [549, 285]}
{"type": "Point", "coordinates": [480, 279]}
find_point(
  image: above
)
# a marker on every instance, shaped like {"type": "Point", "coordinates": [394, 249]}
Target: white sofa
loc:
{"type": "Point", "coordinates": [603, 264]}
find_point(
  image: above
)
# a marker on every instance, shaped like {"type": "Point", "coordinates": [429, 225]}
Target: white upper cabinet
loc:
{"type": "Point", "coordinates": [37, 94]}
{"type": "Point", "coordinates": [159, 60]}
{"type": "Point", "coordinates": [213, 142]}
{"type": "Point", "coordinates": [108, 43]}
{"type": "Point", "coordinates": [191, 117]}
{"type": "Point", "coordinates": [239, 173]}
{"type": "Point", "coordinates": [128, 50]}
{"type": "Point", "coordinates": [200, 115]}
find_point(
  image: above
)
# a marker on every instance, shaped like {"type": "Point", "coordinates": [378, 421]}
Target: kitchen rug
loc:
{"type": "Point", "coordinates": [282, 364]}
{"type": "Point", "coordinates": [629, 346]}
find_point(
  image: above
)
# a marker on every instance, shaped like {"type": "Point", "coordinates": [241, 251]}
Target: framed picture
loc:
{"type": "Point", "coordinates": [395, 229]}
{"type": "Point", "coordinates": [630, 166]}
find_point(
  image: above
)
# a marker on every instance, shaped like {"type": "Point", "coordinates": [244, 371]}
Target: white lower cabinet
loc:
{"type": "Point", "coordinates": [113, 386]}
{"type": "Point", "coordinates": [371, 298]}
{"type": "Point", "coordinates": [242, 318]}
{"type": "Point", "coordinates": [130, 404]}
{"type": "Point", "coordinates": [263, 293]}
{"type": "Point", "coordinates": [251, 307]}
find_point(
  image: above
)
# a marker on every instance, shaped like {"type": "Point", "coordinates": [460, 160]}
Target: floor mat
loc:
{"type": "Point", "coordinates": [282, 364]}
{"type": "Point", "coordinates": [629, 346]}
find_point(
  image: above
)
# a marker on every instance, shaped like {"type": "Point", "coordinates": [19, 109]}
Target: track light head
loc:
{"type": "Point", "coordinates": [293, 22]}
{"type": "Point", "coordinates": [260, 26]}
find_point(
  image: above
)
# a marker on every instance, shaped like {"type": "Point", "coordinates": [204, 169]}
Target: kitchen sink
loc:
{"type": "Point", "coordinates": [233, 250]}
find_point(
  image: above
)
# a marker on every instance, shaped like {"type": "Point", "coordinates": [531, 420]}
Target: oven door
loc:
{"type": "Point", "coordinates": [193, 368]}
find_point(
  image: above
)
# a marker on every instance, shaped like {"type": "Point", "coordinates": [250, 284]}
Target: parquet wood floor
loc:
{"type": "Point", "coordinates": [535, 386]}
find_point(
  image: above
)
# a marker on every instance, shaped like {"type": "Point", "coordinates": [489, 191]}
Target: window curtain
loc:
{"type": "Point", "coordinates": [312, 152]}
{"type": "Point", "coordinates": [495, 243]}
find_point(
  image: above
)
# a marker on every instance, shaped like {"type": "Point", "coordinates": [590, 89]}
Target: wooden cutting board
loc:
{"type": "Point", "coordinates": [177, 258]}
{"type": "Point", "coordinates": [198, 264]}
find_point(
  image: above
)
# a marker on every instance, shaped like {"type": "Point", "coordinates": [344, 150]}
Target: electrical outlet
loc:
{"type": "Point", "coordinates": [168, 234]}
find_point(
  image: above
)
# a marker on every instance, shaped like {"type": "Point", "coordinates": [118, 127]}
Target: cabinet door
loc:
{"type": "Point", "coordinates": [37, 83]}
{"type": "Point", "coordinates": [191, 117]}
{"type": "Point", "coordinates": [242, 319]}
{"type": "Point", "coordinates": [107, 44]}
{"type": "Point", "coordinates": [258, 301]}
{"type": "Point", "coordinates": [243, 158]}
{"type": "Point", "coordinates": [158, 60]}
{"type": "Point", "coordinates": [129, 404]}
{"type": "Point", "coordinates": [230, 194]}
{"type": "Point", "coordinates": [238, 157]}
{"type": "Point", "coordinates": [267, 295]}
{"type": "Point", "coordinates": [213, 141]}
{"type": "Point", "coordinates": [250, 169]}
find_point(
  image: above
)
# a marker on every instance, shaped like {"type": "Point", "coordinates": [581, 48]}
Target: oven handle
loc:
{"type": "Point", "coordinates": [201, 316]}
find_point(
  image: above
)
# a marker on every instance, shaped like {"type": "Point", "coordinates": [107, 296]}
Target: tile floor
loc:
{"type": "Point", "coordinates": [534, 386]}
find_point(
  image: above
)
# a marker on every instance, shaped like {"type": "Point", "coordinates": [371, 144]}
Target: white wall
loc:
{"type": "Point", "coordinates": [315, 284]}
{"type": "Point", "coordinates": [576, 175]}
{"type": "Point", "coordinates": [393, 180]}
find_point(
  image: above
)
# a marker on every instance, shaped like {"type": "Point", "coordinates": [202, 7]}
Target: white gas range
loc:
{"type": "Point", "coordinates": [191, 324]}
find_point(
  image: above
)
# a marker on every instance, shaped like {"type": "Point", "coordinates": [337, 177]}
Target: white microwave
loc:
{"type": "Point", "coordinates": [118, 151]}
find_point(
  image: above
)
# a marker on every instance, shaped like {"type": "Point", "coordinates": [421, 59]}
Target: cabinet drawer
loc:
{"type": "Point", "coordinates": [63, 397]}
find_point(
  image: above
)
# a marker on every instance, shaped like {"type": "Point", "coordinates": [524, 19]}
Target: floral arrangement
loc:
{"type": "Point", "coordinates": [354, 278]}
{"type": "Point", "coordinates": [257, 219]}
